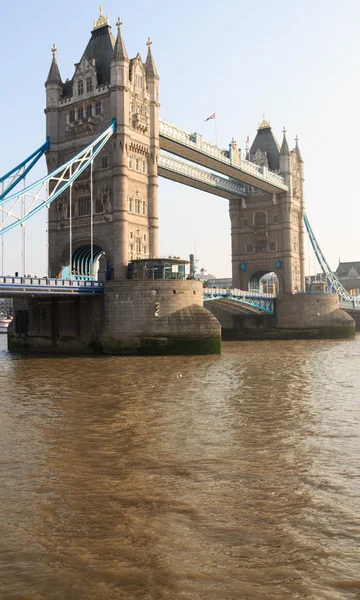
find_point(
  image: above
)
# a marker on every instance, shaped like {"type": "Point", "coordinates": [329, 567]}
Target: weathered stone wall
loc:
{"type": "Point", "coordinates": [146, 317]}
{"type": "Point", "coordinates": [313, 312]}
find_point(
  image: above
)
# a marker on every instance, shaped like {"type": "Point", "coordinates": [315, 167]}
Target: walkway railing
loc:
{"type": "Point", "coordinates": [195, 142]}
{"type": "Point", "coordinates": [35, 285]}
{"type": "Point", "coordinates": [176, 165]}
{"type": "Point", "coordinates": [264, 302]}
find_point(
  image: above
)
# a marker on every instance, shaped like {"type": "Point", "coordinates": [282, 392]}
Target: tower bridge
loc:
{"type": "Point", "coordinates": [106, 148]}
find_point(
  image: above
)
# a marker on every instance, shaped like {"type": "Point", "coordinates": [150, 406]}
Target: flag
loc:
{"type": "Point", "coordinates": [247, 139]}
{"type": "Point", "coordinates": [211, 117]}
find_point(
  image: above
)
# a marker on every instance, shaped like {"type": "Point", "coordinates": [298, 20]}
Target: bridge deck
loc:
{"type": "Point", "coordinates": [11, 287]}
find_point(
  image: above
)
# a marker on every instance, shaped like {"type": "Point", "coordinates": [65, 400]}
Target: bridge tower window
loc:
{"type": "Point", "coordinates": [72, 116]}
{"type": "Point", "coordinates": [249, 248]}
{"type": "Point", "coordinates": [137, 206]}
{"type": "Point", "coordinates": [104, 162]}
{"type": "Point", "coordinates": [89, 84]}
{"type": "Point", "coordinates": [261, 245]}
{"type": "Point", "coordinates": [80, 87]}
{"type": "Point", "coordinates": [131, 205]}
{"type": "Point", "coordinates": [84, 207]}
{"type": "Point", "coordinates": [98, 108]}
{"type": "Point", "coordinates": [260, 219]}
{"type": "Point", "coordinates": [89, 110]}
{"type": "Point", "coordinates": [99, 205]}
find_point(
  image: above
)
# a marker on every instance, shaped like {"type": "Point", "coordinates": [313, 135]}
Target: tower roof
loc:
{"type": "Point", "coordinates": [119, 52]}
{"type": "Point", "coordinates": [150, 66]}
{"type": "Point", "coordinates": [100, 48]}
{"type": "Point", "coordinates": [54, 73]}
{"type": "Point", "coordinates": [265, 141]}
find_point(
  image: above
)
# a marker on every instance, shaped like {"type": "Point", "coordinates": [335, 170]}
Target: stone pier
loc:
{"type": "Point", "coordinates": [133, 317]}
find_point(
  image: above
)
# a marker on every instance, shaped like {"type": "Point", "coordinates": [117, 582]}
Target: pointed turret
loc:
{"type": "Point", "coordinates": [285, 157]}
{"type": "Point", "coordinates": [297, 150]}
{"type": "Point", "coordinates": [150, 67]}
{"type": "Point", "coordinates": [54, 73]}
{"type": "Point", "coordinates": [119, 53]}
{"type": "Point", "coordinates": [284, 151]}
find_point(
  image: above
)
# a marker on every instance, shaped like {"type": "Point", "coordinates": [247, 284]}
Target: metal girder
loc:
{"type": "Point", "coordinates": [18, 208]}
{"type": "Point", "coordinates": [265, 302]}
{"type": "Point", "coordinates": [10, 180]}
{"type": "Point", "coordinates": [334, 285]}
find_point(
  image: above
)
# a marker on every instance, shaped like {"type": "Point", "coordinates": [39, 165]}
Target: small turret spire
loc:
{"type": "Point", "coordinates": [54, 73]}
{"type": "Point", "coordinates": [284, 146]}
{"type": "Point", "coordinates": [297, 150]}
{"type": "Point", "coordinates": [150, 67]}
{"type": "Point", "coordinates": [119, 48]}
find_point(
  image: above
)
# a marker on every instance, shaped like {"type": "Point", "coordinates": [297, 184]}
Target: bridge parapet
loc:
{"type": "Point", "coordinates": [265, 302]}
{"type": "Point", "coordinates": [19, 286]}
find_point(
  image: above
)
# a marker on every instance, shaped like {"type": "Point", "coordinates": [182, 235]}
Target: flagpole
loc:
{"type": "Point", "coordinates": [216, 137]}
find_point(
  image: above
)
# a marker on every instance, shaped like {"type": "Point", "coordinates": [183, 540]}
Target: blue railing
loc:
{"type": "Point", "coordinates": [264, 302]}
{"type": "Point", "coordinates": [20, 285]}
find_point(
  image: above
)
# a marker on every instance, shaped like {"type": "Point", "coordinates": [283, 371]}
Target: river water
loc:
{"type": "Point", "coordinates": [182, 478]}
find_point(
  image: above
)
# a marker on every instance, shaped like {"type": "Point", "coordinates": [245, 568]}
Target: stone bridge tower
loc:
{"type": "Point", "coordinates": [268, 230]}
{"type": "Point", "coordinates": [106, 85]}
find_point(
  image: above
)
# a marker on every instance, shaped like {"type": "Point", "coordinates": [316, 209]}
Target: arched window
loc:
{"type": "Point", "coordinates": [80, 87]}
{"type": "Point", "coordinates": [89, 84]}
{"type": "Point", "coordinates": [260, 219]}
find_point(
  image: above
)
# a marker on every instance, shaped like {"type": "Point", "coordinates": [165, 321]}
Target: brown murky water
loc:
{"type": "Point", "coordinates": [211, 478]}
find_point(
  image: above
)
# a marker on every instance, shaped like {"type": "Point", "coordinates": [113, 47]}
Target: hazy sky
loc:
{"type": "Point", "coordinates": [297, 62]}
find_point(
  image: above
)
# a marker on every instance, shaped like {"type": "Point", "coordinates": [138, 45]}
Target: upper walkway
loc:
{"type": "Point", "coordinates": [192, 147]}
{"type": "Point", "coordinates": [43, 286]}
{"type": "Point", "coordinates": [180, 171]}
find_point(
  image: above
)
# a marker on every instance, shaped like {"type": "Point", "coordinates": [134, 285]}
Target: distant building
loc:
{"type": "Point", "coordinates": [348, 274]}
{"type": "Point", "coordinates": [219, 283]}
{"type": "Point", "coordinates": [6, 306]}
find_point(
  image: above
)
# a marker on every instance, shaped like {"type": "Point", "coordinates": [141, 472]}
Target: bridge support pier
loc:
{"type": "Point", "coordinates": [133, 317]}
{"type": "Point", "coordinates": [298, 316]}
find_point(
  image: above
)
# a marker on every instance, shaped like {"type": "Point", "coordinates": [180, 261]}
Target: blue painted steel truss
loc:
{"type": "Point", "coordinates": [16, 209]}
{"type": "Point", "coordinates": [10, 180]}
{"type": "Point", "coordinates": [264, 302]}
{"type": "Point", "coordinates": [334, 285]}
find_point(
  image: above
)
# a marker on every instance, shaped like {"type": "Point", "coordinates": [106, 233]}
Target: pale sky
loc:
{"type": "Point", "coordinates": [297, 62]}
